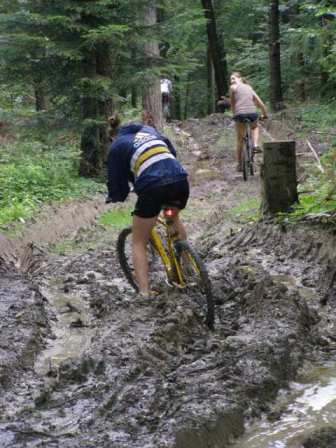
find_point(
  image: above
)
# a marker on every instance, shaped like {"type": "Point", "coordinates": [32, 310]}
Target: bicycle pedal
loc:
{"type": "Point", "coordinates": [178, 285]}
{"type": "Point", "coordinates": [170, 284]}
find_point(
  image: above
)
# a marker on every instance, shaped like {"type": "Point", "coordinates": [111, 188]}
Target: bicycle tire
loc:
{"type": "Point", "coordinates": [251, 156]}
{"type": "Point", "coordinates": [166, 111]}
{"type": "Point", "coordinates": [124, 258]}
{"type": "Point", "coordinates": [157, 273]}
{"type": "Point", "coordinates": [245, 162]}
{"type": "Point", "coordinates": [203, 286]}
{"type": "Point", "coordinates": [251, 165]}
{"type": "Point", "coordinates": [250, 153]}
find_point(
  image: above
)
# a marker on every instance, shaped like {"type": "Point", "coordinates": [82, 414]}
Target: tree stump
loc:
{"type": "Point", "coordinates": [278, 175]}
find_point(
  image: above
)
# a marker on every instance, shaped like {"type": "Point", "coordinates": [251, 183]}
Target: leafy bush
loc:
{"type": "Point", "coordinates": [310, 117]}
{"type": "Point", "coordinates": [32, 173]}
{"type": "Point", "coordinates": [321, 198]}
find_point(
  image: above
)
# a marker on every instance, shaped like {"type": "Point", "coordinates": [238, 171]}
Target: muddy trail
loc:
{"type": "Point", "coordinates": [86, 364]}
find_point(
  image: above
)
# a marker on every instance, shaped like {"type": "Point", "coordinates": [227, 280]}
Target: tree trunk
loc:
{"type": "Point", "coordinates": [301, 83]}
{"type": "Point", "coordinates": [95, 110]}
{"type": "Point", "coordinates": [216, 49]}
{"type": "Point", "coordinates": [152, 101]}
{"type": "Point", "coordinates": [91, 157]}
{"type": "Point", "coordinates": [186, 100]}
{"type": "Point", "coordinates": [210, 105]}
{"type": "Point", "coordinates": [105, 103]}
{"type": "Point", "coordinates": [177, 99]}
{"type": "Point", "coordinates": [279, 184]}
{"type": "Point", "coordinates": [40, 100]}
{"type": "Point", "coordinates": [298, 58]}
{"type": "Point", "coordinates": [276, 99]}
{"type": "Point", "coordinates": [134, 96]}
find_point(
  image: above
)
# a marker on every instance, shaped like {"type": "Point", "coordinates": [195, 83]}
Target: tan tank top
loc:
{"type": "Point", "coordinates": [243, 95]}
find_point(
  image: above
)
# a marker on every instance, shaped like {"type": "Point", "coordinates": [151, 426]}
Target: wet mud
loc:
{"type": "Point", "coordinates": [85, 363]}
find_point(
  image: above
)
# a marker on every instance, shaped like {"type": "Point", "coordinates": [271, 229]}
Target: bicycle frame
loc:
{"type": "Point", "coordinates": [171, 264]}
{"type": "Point", "coordinates": [247, 156]}
{"type": "Point", "coordinates": [248, 139]}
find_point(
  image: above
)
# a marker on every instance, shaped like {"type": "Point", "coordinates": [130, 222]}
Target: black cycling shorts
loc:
{"type": "Point", "coordinates": [150, 202]}
{"type": "Point", "coordinates": [242, 118]}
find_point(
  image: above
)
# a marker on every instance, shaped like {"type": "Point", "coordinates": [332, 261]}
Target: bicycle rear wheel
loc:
{"type": "Point", "coordinates": [197, 280]}
{"type": "Point", "coordinates": [251, 157]}
{"type": "Point", "coordinates": [166, 111]}
{"type": "Point", "coordinates": [124, 251]}
{"type": "Point", "coordinates": [245, 161]}
{"type": "Point", "coordinates": [251, 164]}
{"type": "Point", "coordinates": [157, 273]}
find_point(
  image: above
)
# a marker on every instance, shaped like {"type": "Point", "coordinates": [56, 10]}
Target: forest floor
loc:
{"type": "Point", "coordinates": [86, 364]}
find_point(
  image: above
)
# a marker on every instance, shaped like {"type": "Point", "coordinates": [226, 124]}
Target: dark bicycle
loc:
{"type": "Point", "coordinates": [166, 107]}
{"type": "Point", "coordinates": [248, 153]}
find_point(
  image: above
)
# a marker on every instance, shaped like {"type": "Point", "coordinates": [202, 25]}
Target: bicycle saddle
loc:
{"type": "Point", "coordinates": [246, 120]}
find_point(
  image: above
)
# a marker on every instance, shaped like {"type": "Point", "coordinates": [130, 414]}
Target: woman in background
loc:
{"type": "Point", "coordinates": [244, 103]}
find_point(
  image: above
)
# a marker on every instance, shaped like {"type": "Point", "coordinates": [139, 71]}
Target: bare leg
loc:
{"type": "Point", "coordinates": [180, 229]}
{"type": "Point", "coordinates": [240, 131]}
{"type": "Point", "coordinates": [140, 235]}
{"type": "Point", "coordinates": [255, 134]}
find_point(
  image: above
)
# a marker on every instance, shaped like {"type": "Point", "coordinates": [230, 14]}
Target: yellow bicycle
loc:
{"type": "Point", "coordinates": [181, 266]}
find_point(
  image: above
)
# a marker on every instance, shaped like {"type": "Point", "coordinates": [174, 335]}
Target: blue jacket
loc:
{"type": "Point", "coordinates": [144, 157]}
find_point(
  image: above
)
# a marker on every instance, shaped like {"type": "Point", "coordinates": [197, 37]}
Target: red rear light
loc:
{"type": "Point", "coordinates": [169, 212]}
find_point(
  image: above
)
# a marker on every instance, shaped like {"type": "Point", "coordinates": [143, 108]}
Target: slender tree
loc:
{"type": "Point", "coordinates": [210, 86]}
{"type": "Point", "coordinates": [152, 93]}
{"type": "Point", "coordinates": [276, 99]}
{"type": "Point", "coordinates": [216, 49]}
{"type": "Point", "coordinates": [298, 56]}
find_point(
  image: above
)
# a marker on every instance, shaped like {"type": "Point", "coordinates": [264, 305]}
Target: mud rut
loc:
{"type": "Point", "coordinates": [84, 364]}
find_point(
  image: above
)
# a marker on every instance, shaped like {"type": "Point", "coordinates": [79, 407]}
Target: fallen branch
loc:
{"type": "Point", "coordinates": [323, 132]}
{"type": "Point", "coordinates": [319, 216]}
{"type": "Point", "coordinates": [319, 165]}
{"type": "Point", "coordinates": [267, 133]}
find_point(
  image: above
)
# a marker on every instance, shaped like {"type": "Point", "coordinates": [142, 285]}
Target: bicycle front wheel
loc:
{"type": "Point", "coordinates": [197, 281]}
{"type": "Point", "coordinates": [157, 275]}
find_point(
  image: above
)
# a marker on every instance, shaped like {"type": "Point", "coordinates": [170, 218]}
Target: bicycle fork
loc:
{"type": "Point", "coordinates": [169, 256]}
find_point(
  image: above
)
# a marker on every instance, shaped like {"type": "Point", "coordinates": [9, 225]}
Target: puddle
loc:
{"type": "Point", "coordinates": [70, 329]}
{"type": "Point", "coordinates": [287, 280]}
{"type": "Point", "coordinates": [7, 438]}
{"type": "Point", "coordinates": [310, 407]}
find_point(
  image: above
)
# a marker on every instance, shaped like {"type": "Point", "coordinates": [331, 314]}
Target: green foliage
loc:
{"type": "Point", "coordinates": [318, 195]}
{"type": "Point", "coordinates": [85, 57]}
{"type": "Point", "coordinates": [247, 211]}
{"type": "Point", "coordinates": [106, 33]}
{"type": "Point", "coordinates": [32, 173]}
{"type": "Point", "coordinates": [315, 116]}
{"type": "Point", "coordinates": [116, 218]}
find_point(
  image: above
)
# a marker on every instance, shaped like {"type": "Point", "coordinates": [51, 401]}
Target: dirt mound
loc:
{"type": "Point", "coordinates": [54, 223]}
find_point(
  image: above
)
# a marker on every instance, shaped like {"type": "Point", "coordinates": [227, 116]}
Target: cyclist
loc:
{"type": "Point", "coordinates": [223, 104]}
{"type": "Point", "coordinates": [166, 91]}
{"type": "Point", "coordinates": [244, 104]}
{"type": "Point", "coordinates": [141, 155]}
